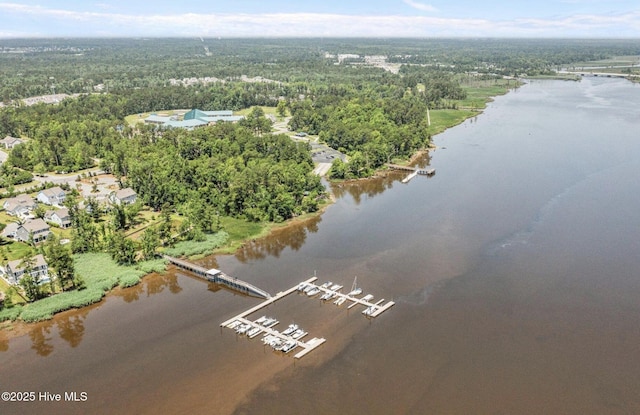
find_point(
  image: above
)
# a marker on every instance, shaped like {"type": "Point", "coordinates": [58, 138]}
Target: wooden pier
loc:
{"type": "Point", "coordinates": [219, 277]}
{"type": "Point", "coordinates": [424, 172]}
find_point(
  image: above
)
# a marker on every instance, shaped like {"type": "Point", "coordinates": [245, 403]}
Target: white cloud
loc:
{"type": "Point", "coordinates": [55, 22]}
{"type": "Point", "coordinates": [420, 6]}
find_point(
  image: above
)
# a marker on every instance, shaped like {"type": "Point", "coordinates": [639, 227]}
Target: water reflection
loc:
{"type": "Point", "coordinates": [291, 236]}
{"type": "Point", "coordinates": [41, 339]}
{"type": "Point", "coordinates": [150, 285]}
{"type": "Point", "coordinates": [70, 325]}
{"type": "Point", "coordinates": [374, 187]}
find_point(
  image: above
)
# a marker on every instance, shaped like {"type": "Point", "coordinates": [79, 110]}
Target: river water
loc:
{"type": "Point", "coordinates": [515, 271]}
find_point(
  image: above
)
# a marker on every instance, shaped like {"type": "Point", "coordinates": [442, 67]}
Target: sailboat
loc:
{"type": "Point", "coordinates": [354, 288]}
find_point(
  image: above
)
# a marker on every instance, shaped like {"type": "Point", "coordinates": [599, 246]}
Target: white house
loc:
{"type": "Point", "coordinates": [60, 217]}
{"type": "Point", "coordinates": [53, 196]}
{"type": "Point", "coordinates": [124, 196]}
{"type": "Point", "coordinates": [36, 228]}
{"type": "Point", "coordinates": [13, 271]}
{"type": "Point", "coordinates": [20, 206]}
{"type": "Point", "coordinates": [10, 142]}
{"type": "Point", "coordinates": [10, 230]}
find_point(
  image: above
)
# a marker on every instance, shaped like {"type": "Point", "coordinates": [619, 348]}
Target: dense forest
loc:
{"type": "Point", "coordinates": [371, 114]}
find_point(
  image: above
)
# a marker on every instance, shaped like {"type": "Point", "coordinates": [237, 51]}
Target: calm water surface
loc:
{"type": "Point", "coordinates": [515, 269]}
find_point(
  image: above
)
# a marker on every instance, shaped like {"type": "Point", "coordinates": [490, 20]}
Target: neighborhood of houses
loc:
{"type": "Point", "coordinates": [30, 229]}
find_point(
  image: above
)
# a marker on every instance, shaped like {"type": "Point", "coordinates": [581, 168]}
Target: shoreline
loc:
{"type": "Point", "coordinates": [268, 229]}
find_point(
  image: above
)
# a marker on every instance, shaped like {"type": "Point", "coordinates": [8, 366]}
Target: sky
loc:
{"type": "Point", "coordinates": [325, 18]}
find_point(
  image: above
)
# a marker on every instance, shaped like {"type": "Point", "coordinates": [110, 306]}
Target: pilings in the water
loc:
{"type": "Point", "coordinates": [219, 277]}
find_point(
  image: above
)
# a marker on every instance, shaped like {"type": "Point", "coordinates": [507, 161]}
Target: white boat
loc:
{"type": "Point", "coordinates": [367, 297]}
{"type": "Point", "coordinates": [308, 288]}
{"type": "Point", "coordinates": [289, 346]}
{"type": "Point", "coordinates": [328, 296]}
{"type": "Point", "coordinates": [242, 329]}
{"type": "Point", "coordinates": [326, 284]}
{"type": "Point", "coordinates": [270, 322]}
{"type": "Point", "coordinates": [260, 320]}
{"type": "Point", "coordinates": [370, 310]}
{"type": "Point", "coordinates": [268, 338]}
{"type": "Point", "coordinates": [313, 292]}
{"type": "Point", "coordinates": [354, 288]}
{"type": "Point", "coordinates": [302, 286]}
{"type": "Point", "coordinates": [298, 334]}
{"type": "Point", "coordinates": [290, 329]}
{"type": "Point", "coordinates": [278, 344]}
{"type": "Point", "coordinates": [254, 332]}
{"type": "Point", "coordinates": [234, 324]}
{"type": "Point", "coordinates": [340, 300]}
{"type": "Point", "coordinates": [335, 287]}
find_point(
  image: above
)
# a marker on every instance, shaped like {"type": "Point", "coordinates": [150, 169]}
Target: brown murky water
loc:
{"type": "Point", "coordinates": [515, 269]}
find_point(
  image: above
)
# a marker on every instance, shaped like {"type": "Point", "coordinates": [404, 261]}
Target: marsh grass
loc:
{"type": "Point", "coordinates": [191, 248]}
{"type": "Point", "coordinates": [100, 274]}
{"type": "Point", "coordinates": [10, 313]}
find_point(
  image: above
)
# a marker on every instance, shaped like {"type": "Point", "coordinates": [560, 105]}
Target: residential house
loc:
{"type": "Point", "coordinates": [10, 142]}
{"type": "Point", "coordinates": [60, 217]}
{"type": "Point", "coordinates": [13, 271]}
{"type": "Point", "coordinates": [53, 196]}
{"type": "Point", "coordinates": [36, 228]}
{"type": "Point", "coordinates": [124, 196]}
{"type": "Point", "coordinates": [10, 230]}
{"type": "Point", "coordinates": [20, 206]}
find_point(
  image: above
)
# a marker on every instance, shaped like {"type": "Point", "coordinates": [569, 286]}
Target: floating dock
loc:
{"type": "Point", "coordinates": [219, 277]}
{"type": "Point", "coordinates": [371, 310]}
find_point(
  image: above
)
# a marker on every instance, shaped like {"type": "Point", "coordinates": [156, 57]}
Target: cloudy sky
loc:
{"type": "Point", "coordinates": [325, 18]}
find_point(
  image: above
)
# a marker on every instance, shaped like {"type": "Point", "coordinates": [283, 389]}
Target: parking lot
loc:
{"type": "Point", "coordinates": [321, 153]}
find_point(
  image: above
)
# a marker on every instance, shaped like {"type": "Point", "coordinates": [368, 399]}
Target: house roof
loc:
{"type": "Point", "coordinates": [35, 225]}
{"type": "Point", "coordinates": [10, 229]}
{"type": "Point", "coordinates": [20, 200]}
{"type": "Point", "coordinates": [124, 193]}
{"type": "Point", "coordinates": [17, 264]}
{"type": "Point", "coordinates": [160, 119]}
{"type": "Point", "coordinates": [53, 191]}
{"type": "Point", "coordinates": [10, 140]}
{"type": "Point", "coordinates": [63, 214]}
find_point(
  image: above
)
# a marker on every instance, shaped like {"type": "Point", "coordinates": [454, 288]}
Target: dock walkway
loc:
{"type": "Point", "coordinates": [424, 172]}
{"type": "Point", "coordinates": [219, 277]}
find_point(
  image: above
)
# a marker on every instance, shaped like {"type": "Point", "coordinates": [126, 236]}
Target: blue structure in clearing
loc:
{"type": "Point", "coordinates": [192, 119]}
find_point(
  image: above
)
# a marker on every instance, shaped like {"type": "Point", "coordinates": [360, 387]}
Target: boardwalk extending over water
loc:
{"type": "Point", "coordinates": [219, 277]}
{"type": "Point", "coordinates": [424, 172]}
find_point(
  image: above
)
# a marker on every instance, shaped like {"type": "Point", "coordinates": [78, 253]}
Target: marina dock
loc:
{"type": "Point", "coordinates": [279, 340]}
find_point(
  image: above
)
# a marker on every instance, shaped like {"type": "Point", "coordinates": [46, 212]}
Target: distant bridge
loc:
{"type": "Point", "coordinates": [219, 277]}
{"type": "Point", "coordinates": [603, 74]}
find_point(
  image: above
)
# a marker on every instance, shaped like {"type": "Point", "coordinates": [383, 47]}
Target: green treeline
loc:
{"type": "Point", "coordinates": [220, 170]}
